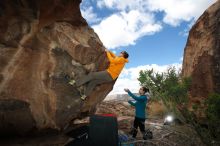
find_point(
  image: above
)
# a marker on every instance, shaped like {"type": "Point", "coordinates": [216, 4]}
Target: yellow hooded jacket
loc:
{"type": "Point", "coordinates": [116, 64]}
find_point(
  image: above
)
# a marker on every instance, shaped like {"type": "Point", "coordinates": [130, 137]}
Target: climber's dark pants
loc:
{"type": "Point", "coordinates": [138, 122]}
{"type": "Point", "coordinates": [93, 79]}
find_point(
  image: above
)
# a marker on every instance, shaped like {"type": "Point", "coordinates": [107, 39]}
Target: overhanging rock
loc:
{"type": "Point", "coordinates": [42, 42]}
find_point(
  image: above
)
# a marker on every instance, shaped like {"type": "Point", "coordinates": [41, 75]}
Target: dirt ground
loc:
{"type": "Point", "coordinates": [176, 134]}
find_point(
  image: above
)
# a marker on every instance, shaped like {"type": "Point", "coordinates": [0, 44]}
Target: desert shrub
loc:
{"type": "Point", "coordinates": [167, 86]}
{"type": "Point", "coordinates": [213, 115]}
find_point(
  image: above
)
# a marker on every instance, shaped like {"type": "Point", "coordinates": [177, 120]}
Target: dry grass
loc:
{"type": "Point", "coordinates": [156, 109]}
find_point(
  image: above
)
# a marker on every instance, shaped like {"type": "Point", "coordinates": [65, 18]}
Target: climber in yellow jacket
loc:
{"type": "Point", "coordinates": [116, 65]}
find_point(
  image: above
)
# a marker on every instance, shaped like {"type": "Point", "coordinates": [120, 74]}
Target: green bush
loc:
{"type": "Point", "coordinates": [213, 115]}
{"type": "Point", "coordinates": [172, 90]}
{"type": "Point", "coordinates": [167, 86]}
{"type": "Point", "coordinates": [210, 130]}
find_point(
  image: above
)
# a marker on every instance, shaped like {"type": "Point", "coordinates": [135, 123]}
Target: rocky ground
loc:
{"type": "Point", "coordinates": [176, 134]}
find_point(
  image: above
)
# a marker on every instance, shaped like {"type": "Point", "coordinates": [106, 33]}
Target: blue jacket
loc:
{"type": "Point", "coordinates": [140, 104]}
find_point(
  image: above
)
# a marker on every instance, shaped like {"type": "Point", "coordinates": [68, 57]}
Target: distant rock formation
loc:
{"type": "Point", "coordinates": [42, 42]}
{"type": "Point", "coordinates": [118, 97]}
{"type": "Point", "coordinates": [202, 54]}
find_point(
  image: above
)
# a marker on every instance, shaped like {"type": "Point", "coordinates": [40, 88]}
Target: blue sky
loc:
{"type": "Point", "coordinates": [153, 32]}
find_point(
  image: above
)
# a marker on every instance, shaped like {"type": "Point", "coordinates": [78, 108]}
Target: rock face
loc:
{"type": "Point", "coordinates": [202, 53]}
{"type": "Point", "coordinates": [42, 42]}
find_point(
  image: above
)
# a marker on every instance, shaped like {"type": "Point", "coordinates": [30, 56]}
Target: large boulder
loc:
{"type": "Point", "coordinates": [202, 54]}
{"type": "Point", "coordinates": [43, 43]}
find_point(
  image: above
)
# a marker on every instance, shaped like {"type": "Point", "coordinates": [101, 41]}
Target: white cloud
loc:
{"type": "Point", "coordinates": [123, 4]}
{"type": "Point", "coordinates": [124, 28]}
{"type": "Point", "coordinates": [185, 32]}
{"type": "Point", "coordinates": [128, 77]}
{"type": "Point", "coordinates": [89, 14]}
{"type": "Point", "coordinates": [176, 11]}
{"type": "Point", "coordinates": [132, 19]}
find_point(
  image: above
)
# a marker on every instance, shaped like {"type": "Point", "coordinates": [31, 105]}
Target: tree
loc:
{"type": "Point", "coordinates": [167, 86]}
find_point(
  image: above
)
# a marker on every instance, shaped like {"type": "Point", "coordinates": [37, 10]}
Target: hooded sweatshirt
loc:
{"type": "Point", "coordinates": [139, 104]}
{"type": "Point", "coordinates": [116, 64]}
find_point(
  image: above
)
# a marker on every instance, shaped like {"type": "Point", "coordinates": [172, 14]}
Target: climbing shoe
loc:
{"type": "Point", "coordinates": [72, 82]}
{"type": "Point", "coordinates": [83, 97]}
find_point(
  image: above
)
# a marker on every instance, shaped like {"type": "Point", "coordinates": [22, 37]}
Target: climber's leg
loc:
{"type": "Point", "coordinates": [101, 75]}
{"type": "Point", "coordinates": [92, 84]}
